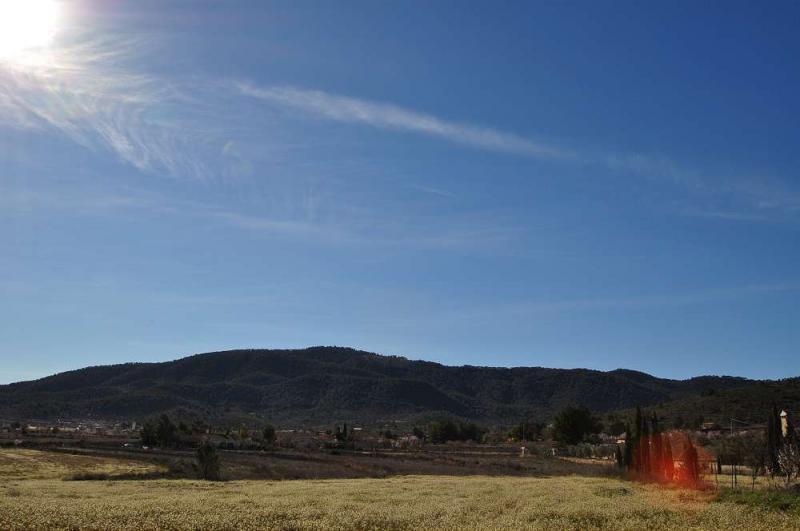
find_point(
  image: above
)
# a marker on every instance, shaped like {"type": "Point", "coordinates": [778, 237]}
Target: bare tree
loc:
{"type": "Point", "coordinates": [754, 454]}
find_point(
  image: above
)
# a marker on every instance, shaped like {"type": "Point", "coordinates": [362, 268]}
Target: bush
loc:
{"type": "Point", "coordinates": [208, 462]}
{"type": "Point", "coordinates": [88, 476]}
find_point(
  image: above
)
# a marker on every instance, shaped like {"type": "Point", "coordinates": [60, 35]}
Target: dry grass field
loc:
{"type": "Point", "coordinates": [34, 495]}
{"type": "Point", "coordinates": [26, 464]}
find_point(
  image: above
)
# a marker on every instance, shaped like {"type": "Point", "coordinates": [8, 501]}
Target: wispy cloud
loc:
{"type": "Point", "coordinates": [331, 225]}
{"type": "Point", "coordinates": [433, 191]}
{"type": "Point", "coordinates": [90, 92]}
{"type": "Point", "coordinates": [387, 116]}
{"type": "Point", "coordinates": [755, 197]}
{"type": "Point", "coordinates": [84, 91]}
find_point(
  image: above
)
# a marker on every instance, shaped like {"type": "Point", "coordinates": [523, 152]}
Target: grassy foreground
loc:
{"type": "Point", "coordinates": [410, 502]}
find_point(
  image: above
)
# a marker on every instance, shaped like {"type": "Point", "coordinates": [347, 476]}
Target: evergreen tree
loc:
{"type": "Point", "coordinates": [444, 430]}
{"type": "Point", "coordinates": [669, 463]}
{"type": "Point", "coordinates": [148, 434]}
{"type": "Point", "coordinates": [690, 463]}
{"type": "Point", "coordinates": [636, 441]}
{"type": "Point", "coordinates": [774, 439]}
{"type": "Point", "coordinates": [644, 448]}
{"type": "Point", "coordinates": [573, 424]}
{"type": "Point", "coordinates": [618, 458]}
{"type": "Point", "coordinates": [628, 455]}
{"type": "Point", "coordinates": [166, 432]}
{"type": "Point", "coordinates": [268, 434]}
{"type": "Point", "coordinates": [208, 462]}
{"type": "Point", "coordinates": [656, 457]}
{"type": "Point", "coordinates": [789, 453]}
{"type": "Point", "coordinates": [789, 436]}
{"type": "Point", "coordinates": [637, 424]}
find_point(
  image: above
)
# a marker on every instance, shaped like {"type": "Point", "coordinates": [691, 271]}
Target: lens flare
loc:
{"type": "Point", "coordinates": [26, 26]}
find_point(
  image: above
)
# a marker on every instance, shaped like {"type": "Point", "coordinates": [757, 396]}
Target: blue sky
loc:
{"type": "Point", "coordinates": [564, 184]}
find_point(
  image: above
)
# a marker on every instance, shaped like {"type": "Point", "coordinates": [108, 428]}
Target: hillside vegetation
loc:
{"type": "Point", "coordinates": [324, 384]}
{"type": "Point", "coordinates": [748, 403]}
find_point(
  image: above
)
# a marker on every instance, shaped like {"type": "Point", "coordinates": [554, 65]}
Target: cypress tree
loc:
{"type": "Point", "coordinates": [657, 458]}
{"type": "Point", "coordinates": [628, 456]}
{"type": "Point", "coordinates": [789, 455]}
{"type": "Point", "coordinates": [790, 437]}
{"type": "Point", "coordinates": [636, 441]}
{"type": "Point", "coordinates": [669, 464]}
{"type": "Point", "coordinates": [690, 462]}
{"type": "Point", "coordinates": [774, 441]}
{"type": "Point", "coordinates": [644, 448]}
{"type": "Point", "coordinates": [618, 458]}
{"type": "Point", "coordinates": [638, 423]}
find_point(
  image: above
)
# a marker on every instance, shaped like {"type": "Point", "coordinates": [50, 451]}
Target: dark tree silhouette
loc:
{"type": "Point", "coordinates": [573, 424]}
{"type": "Point", "coordinates": [148, 434]}
{"type": "Point", "coordinates": [208, 462]}
{"type": "Point", "coordinates": [691, 467]}
{"type": "Point", "coordinates": [669, 463]}
{"type": "Point", "coordinates": [268, 434]}
{"type": "Point", "coordinates": [166, 432]}
{"type": "Point", "coordinates": [656, 449]}
{"type": "Point", "coordinates": [774, 438]}
{"type": "Point", "coordinates": [629, 444]}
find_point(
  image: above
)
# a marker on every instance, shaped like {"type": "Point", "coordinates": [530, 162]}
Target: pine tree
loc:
{"type": "Point", "coordinates": [618, 457]}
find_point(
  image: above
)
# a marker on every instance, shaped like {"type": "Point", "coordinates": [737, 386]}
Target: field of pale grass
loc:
{"type": "Point", "coordinates": [34, 464]}
{"type": "Point", "coordinates": [404, 502]}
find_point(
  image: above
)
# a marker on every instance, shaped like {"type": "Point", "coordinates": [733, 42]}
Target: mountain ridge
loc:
{"type": "Point", "coordinates": [320, 385]}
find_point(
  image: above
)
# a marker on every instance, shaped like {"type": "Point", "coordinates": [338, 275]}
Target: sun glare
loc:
{"type": "Point", "coordinates": [26, 26]}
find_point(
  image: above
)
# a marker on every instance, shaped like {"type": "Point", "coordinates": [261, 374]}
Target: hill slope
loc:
{"type": "Point", "coordinates": [749, 404]}
{"type": "Point", "coordinates": [321, 385]}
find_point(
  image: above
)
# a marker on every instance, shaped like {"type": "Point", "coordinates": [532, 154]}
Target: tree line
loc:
{"type": "Point", "coordinates": [648, 452]}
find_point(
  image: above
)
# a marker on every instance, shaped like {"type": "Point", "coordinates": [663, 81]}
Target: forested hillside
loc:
{"type": "Point", "coordinates": [320, 385]}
